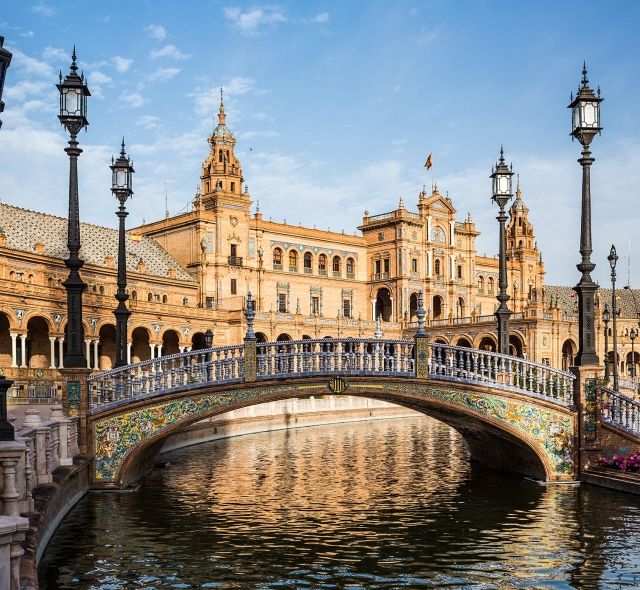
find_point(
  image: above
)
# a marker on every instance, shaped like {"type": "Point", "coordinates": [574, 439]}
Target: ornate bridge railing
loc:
{"type": "Point", "coordinates": [349, 356]}
{"type": "Point", "coordinates": [468, 365]}
{"type": "Point", "coordinates": [619, 410]}
{"type": "Point", "coordinates": [329, 356]}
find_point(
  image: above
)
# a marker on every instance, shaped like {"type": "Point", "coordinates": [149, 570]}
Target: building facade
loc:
{"type": "Point", "coordinates": [193, 271]}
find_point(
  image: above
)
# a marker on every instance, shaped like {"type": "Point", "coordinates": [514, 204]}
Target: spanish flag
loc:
{"type": "Point", "coordinates": [428, 163]}
{"type": "Point", "coordinates": [135, 238]}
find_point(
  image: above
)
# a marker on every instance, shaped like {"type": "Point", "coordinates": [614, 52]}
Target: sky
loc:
{"type": "Point", "coordinates": [335, 106]}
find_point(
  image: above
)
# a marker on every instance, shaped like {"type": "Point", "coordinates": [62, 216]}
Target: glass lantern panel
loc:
{"type": "Point", "coordinates": [589, 113]}
{"type": "Point", "coordinates": [503, 185]}
{"type": "Point", "coordinates": [576, 118]}
{"type": "Point", "coordinates": [121, 179]}
{"type": "Point", "coordinates": [72, 101]}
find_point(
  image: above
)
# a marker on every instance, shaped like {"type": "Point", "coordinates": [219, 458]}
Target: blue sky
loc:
{"type": "Point", "coordinates": [335, 106]}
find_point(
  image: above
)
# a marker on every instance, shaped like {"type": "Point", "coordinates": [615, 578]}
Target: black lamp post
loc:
{"type": "Point", "coordinates": [586, 123]}
{"type": "Point", "coordinates": [633, 335]}
{"type": "Point", "coordinates": [613, 258]}
{"type": "Point", "coordinates": [606, 317]}
{"type": "Point", "coordinates": [121, 171]}
{"type": "Point", "coordinates": [501, 176]}
{"type": "Point", "coordinates": [5, 60]}
{"type": "Point", "coordinates": [73, 116]}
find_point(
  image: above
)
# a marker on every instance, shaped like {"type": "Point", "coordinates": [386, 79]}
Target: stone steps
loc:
{"type": "Point", "coordinates": [613, 479]}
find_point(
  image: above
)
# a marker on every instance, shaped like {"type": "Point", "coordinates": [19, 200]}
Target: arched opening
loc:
{"type": "Point", "coordinates": [198, 341]}
{"type": "Point", "coordinates": [107, 347]}
{"type": "Point", "coordinates": [568, 354]}
{"type": "Point", "coordinates": [277, 259]}
{"type": "Point", "coordinates": [170, 342]}
{"type": "Point", "coordinates": [488, 343]}
{"type": "Point", "coordinates": [351, 268]}
{"type": "Point", "coordinates": [480, 284]}
{"type": "Point", "coordinates": [140, 349]}
{"type": "Point", "coordinates": [632, 363]}
{"type": "Point", "coordinates": [516, 346]}
{"type": "Point", "coordinates": [293, 261]}
{"type": "Point", "coordinates": [283, 338]}
{"type": "Point", "coordinates": [490, 284]}
{"type": "Point", "coordinates": [438, 307]}
{"type": "Point", "coordinates": [413, 307]}
{"type": "Point", "coordinates": [383, 305]}
{"type": "Point", "coordinates": [464, 341]}
{"type": "Point", "coordinates": [306, 337]}
{"type": "Point", "coordinates": [308, 262]}
{"type": "Point", "coordinates": [460, 307]}
{"type": "Point", "coordinates": [322, 264]}
{"type": "Point", "coordinates": [5, 341]}
{"type": "Point", "coordinates": [436, 267]}
{"type": "Point", "coordinates": [260, 337]}
{"type": "Point", "coordinates": [336, 266]}
{"type": "Point", "coordinates": [440, 340]}
{"type": "Point", "coordinates": [38, 344]}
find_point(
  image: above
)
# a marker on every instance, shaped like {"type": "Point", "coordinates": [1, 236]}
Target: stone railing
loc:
{"type": "Point", "coordinates": [349, 356]}
{"type": "Point", "coordinates": [619, 410]}
{"type": "Point", "coordinates": [327, 356]}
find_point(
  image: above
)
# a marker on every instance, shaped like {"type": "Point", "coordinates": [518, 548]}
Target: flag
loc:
{"type": "Point", "coordinates": [428, 163]}
{"type": "Point", "coordinates": [135, 238]}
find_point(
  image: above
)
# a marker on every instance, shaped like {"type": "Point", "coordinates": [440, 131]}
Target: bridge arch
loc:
{"type": "Point", "coordinates": [126, 437]}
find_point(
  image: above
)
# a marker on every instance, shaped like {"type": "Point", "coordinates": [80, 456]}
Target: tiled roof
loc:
{"type": "Point", "coordinates": [627, 300]}
{"type": "Point", "coordinates": [24, 229]}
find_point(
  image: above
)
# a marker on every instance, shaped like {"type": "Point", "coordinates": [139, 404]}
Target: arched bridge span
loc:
{"type": "Point", "coordinates": [512, 413]}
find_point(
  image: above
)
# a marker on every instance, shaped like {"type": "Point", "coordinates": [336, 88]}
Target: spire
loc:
{"type": "Point", "coordinates": [122, 152]}
{"type": "Point", "coordinates": [221, 115]}
{"type": "Point", "coordinates": [74, 66]}
{"type": "Point", "coordinates": [585, 80]}
{"type": "Point", "coordinates": [401, 203]}
{"type": "Point", "coordinates": [518, 191]}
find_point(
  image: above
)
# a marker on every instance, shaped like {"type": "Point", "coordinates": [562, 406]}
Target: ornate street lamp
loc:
{"type": "Point", "coordinates": [586, 123]}
{"type": "Point", "coordinates": [121, 171]}
{"type": "Point", "coordinates": [606, 317]}
{"type": "Point", "coordinates": [73, 116]}
{"type": "Point", "coordinates": [5, 60]}
{"type": "Point", "coordinates": [633, 335]}
{"type": "Point", "coordinates": [501, 176]}
{"type": "Point", "coordinates": [613, 258]}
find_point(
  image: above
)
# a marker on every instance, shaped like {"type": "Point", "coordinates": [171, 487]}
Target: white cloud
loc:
{"type": "Point", "coordinates": [43, 9]}
{"type": "Point", "coordinates": [258, 134]}
{"type": "Point", "coordinates": [28, 34]}
{"type": "Point", "coordinates": [148, 121]}
{"type": "Point", "coordinates": [206, 100]}
{"type": "Point", "coordinates": [55, 54]}
{"type": "Point", "coordinates": [157, 32]}
{"type": "Point", "coordinates": [163, 74]}
{"type": "Point", "coordinates": [23, 89]}
{"type": "Point", "coordinates": [122, 64]}
{"type": "Point", "coordinates": [323, 17]}
{"type": "Point", "coordinates": [31, 66]}
{"type": "Point", "coordinates": [249, 22]}
{"type": "Point", "coordinates": [96, 81]}
{"type": "Point", "coordinates": [170, 51]}
{"type": "Point", "coordinates": [133, 99]}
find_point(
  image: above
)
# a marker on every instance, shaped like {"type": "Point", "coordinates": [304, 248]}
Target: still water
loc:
{"type": "Point", "coordinates": [384, 504]}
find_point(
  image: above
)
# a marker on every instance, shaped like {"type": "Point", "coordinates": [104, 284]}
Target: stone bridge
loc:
{"type": "Point", "coordinates": [512, 413]}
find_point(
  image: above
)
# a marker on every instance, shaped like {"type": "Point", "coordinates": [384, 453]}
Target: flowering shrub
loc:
{"type": "Point", "coordinates": [630, 463]}
{"type": "Point", "coordinates": [633, 462]}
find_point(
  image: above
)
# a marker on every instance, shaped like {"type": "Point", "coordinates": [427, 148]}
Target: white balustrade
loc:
{"type": "Point", "coordinates": [619, 410]}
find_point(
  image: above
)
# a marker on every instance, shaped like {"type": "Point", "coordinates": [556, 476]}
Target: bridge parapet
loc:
{"type": "Point", "coordinates": [329, 356]}
{"type": "Point", "coordinates": [619, 410]}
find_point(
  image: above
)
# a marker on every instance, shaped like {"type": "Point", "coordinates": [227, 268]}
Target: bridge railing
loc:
{"type": "Point", "coordinates": [331, 356]}
{"type": "Point", "coordinates": [469, 365]}
{"type": "Point", "coordinates": [221, 364]}
{"type": "Point", "coordinates": [619, 410]}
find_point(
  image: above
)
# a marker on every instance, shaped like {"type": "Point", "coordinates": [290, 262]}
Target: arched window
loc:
{"type": "Point", "coordinates": [277, 258]}
{"type": "Point", "coordinates": [134, 295]}
{"type": "Point", "coordinates": [308, 261]}
{"type": "Point", "coordinates": [101, 290]}
{"type": "Point", "coordinates": [490, 286]}
{"type": "Point", "coordinates": [220, 156]}
{"type": "Point", "coordinates": [336, 265]}
{"type": "Point", "coordinates": [480, 284]}
{"type": "Point", "coordinates": [150, 297]}
{"type": "Point", "coordinates": [322, 264]}
{"type": "Point", "coordinates": [165, 299]}
{"type": "Point", "coordinates": [185, 301]}
{"type": "Point", "coordinates": [436, 267]}
{"type": "Point", "coordinates": [293, 261]}
{"type": "Point", "coordinates": [351, 268]}
{"type": "Point", "coordinates": [50, 282]}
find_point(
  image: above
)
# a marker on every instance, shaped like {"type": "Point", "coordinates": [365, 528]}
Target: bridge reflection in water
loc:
{"type": "Point", "coordinates": [386, 504]}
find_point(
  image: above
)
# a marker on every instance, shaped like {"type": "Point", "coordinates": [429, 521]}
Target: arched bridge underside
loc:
{"type": "Point", "coordinates": [503, 429]}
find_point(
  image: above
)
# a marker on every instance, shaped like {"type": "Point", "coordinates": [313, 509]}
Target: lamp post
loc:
{"type": "Point", "coordinates": [613, 258]}
{"type": "Point", "coordinates": [586, 123]}
{"type": "Point", "coordinates": [633, 335]}
{"type": "Point", "coordinates": [606, 317]}
{"type": "Point", "coordinates": [5, 61]}
{"type": "Point", "coordinates": [121, 171]}
{"type": "Point", "coordinates": [501, 176]}
{"type": "Point", "coordinates": [73, 116]}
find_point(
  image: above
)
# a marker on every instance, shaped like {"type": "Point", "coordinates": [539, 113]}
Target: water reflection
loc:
{"type": "Point", "coordinates": [387, 504]}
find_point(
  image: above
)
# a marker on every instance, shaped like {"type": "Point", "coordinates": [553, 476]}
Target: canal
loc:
{"type": "Point", "coordinates": [382, 504]}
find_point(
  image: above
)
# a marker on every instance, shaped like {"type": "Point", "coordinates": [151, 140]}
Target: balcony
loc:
{"type": "Point", "coordinates": [381, 276]}
{"type": "Point", "coordinates": [277, 266]}
{"type": "Point", "coordinates": [322, 272]}
{"type": "Point", "coordinates": [235, 260]}
{"type": "Point", "coordinates": [293, 268]}
{"type": "Point", "coordinates": [308, 270]}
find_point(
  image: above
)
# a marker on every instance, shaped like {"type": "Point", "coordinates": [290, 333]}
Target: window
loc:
{"type": "Point", "coordinates": [414, 265]}
{"type": "Point", "coordinates": [315, 305]}
{"type": "Point", "coordinates": [101, 290]}
{"type": "Point", "coordinates": [220, 156]}
{"type": "Point", "coordinates": [346, 308]}
{"type": "Point", "coordinates": [150, 297]}
{"type": "Point", "coordinates": [234, 250]}
{"type": "Point", "coordinates": [480, 284]}
{"type": "Point", "coordinates": [234, 286]}
{"type": "Point", "coordinates": [134, 295]}
{"type": "Point", "coordinates": [282, 302]}
{"type": "Point", "coordinates": [459, 271]}
{"type": "Point", "coordinates": [378, 266]}
{"type": "Point", "coordinates": [387, 265]}
{"type": "Point", "coordinates": [165, 299]}
{"type": "Point", "coordinates": [233, 187]}
{"type": "Point", "coordinates": [209, 302]}
{"type": "Point", "coordinates": [307, 263]}
{"type": "Point", "coordinates": [350, 268]}
{"type": "Point", "coordinates": [336, 266]}
{"type": "Point", "coordinates": [293, 261]}
{"type": "Point", "coordinates": [490, 286]}
{"type": "Point", "coordinates": [322, 264]}
{"type": "Point", "coordinates": [277, 259]}
{"type": "Point", "coordinates": [185, 301]}
{"type": "Point", "coordinates": [436, 266]}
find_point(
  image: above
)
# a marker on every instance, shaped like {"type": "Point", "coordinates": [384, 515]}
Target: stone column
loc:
{"type": "Point", "coordinates": [23, 351]}
{"type": "Point", "coordinates": [52, 352]}
{"type": "Point", "coordinates": [14, 349]}
{"type": "Point", "coordinates": [96, 358]}
{"type": "Point", "coordinates": [159, 354]}
{"type": "Point", "coordinates": [9, 491]}
{"type": "Point", "coordinates": [373, 310]}
{"type": "Point", "coordinates": [153, 351]}
{"type": "Point", "coordinates": [585, 397]}
{"type": "Point", "coordinates": [61, 352]}
{"type": "Point", "coordinates": [12, 533]}
{"type": "Point", "coordinates": [129, 345]}
{"type": "Point", "coordinates": [63, 434]}
{"type": "Point", "coordinates": [87, 352]}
